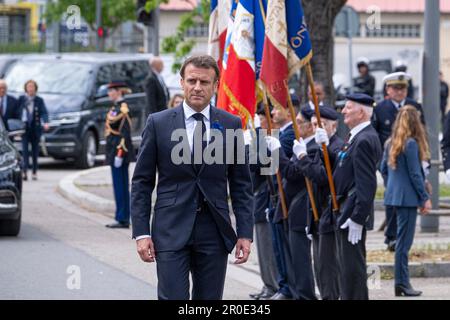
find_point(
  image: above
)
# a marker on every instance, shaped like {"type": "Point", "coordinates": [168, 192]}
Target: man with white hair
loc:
{"type": "Point", "coordinates": [9, 108]}
{"type": "Point", "coordinates": [356, 183]}
{"type": "Point", "coordinates": [155, 88]}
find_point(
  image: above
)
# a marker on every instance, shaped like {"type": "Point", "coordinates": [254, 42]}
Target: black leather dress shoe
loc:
{"type": "Point", "coordinates": [406, 291]}
{"type": "Point", "coordinates": [391, 245]}
{"type": "Point", "coordinates": [118, 225]}
{"type": "Point", "coordinates": [264, 294]}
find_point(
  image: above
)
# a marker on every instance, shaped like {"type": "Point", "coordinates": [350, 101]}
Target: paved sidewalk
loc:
{"type": "Point", "coordinates": [92, 190]}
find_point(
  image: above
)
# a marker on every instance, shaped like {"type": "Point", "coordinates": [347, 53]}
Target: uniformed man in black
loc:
{"type": "Point", "coordinates": [365, 82]}
{"type": "Point", "coordinates": [119, 151]}
{"type": "Point", "coordinates": [383, 118]}
{"type": "Point", "coordinates": [300, 272]}
{"type": "Point", "coordinates": [322, 232]}
{"type": "Point", "coordinates": [355, 180]}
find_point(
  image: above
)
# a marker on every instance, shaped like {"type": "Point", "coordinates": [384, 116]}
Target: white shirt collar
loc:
{"type": "Point", "coordinates": [285, 126]}
{"type": "Point", "coordinates": [189, 112]}
{"type": "Point", "coordinates": [358, 129]}
{"type": "Point", "coordinates": [397, 105]}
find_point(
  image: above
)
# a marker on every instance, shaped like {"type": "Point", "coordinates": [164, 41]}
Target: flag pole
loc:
{"type": "Point", "coordinates": [324, 147]}
{"type": "Point", "coordinates": [279, 181]}
{"type": "Point", "coordinates": [309, 186]}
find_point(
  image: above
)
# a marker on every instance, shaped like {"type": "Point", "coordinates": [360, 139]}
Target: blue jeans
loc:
{"type": "Point", "coordinates": [121, 193]}
{"type": "Point", "coordinates": [32, 137]}
{"type": "Point", "coordinates": [406, 222]}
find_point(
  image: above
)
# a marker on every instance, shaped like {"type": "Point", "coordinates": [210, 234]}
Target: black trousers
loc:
{"type": "Point", "coordinates": [266, 256]}
{"type": "Point", "coordinates": [204, 256]}
{"type": "Point", "coordinates": [326, 268]}
{"type": "Point", "coordinates": [300, 247]}
{"type": "Point", "coordinates": [352, 267]}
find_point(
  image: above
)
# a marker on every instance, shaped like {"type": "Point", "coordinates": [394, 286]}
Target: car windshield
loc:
{"type": "Point", "coordinates": [57, 77]}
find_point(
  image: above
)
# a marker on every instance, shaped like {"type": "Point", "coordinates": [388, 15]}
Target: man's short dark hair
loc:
{"type": "Point", "coordinates": [201, 61]}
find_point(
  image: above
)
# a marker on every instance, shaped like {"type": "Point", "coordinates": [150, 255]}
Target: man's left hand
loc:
{"type": "Point", "coordinates": [242, 250]}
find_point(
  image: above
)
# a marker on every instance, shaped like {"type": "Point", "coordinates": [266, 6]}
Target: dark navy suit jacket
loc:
{"type": "Point", "coordinates": [384, 116]}
{"type": "Point", "coordinates": [313, 167]}
{"type": "Point", "coordinates": [355, 178]}
{"type": "Point", "coordinates": [295, 189]}
{"type": "Point", "coordinates": [13, 110]}
{"type": "Point", "coordinates": [176, 202]}
{"type": "Point", "coordinates": [406, 184]}
{"type": "Point", "coordinates": [39, 114]}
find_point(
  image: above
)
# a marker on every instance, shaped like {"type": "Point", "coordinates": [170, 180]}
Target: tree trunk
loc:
{"type": "Point", "coordinates": [320, 16]}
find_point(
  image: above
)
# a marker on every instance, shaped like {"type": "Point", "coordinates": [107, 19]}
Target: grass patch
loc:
{"type": "Point", "coordinates": [415, 255]}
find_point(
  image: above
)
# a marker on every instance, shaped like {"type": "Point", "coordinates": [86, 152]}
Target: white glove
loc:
{"type": "Point", "coordinates": [321, 137]}
{"type": "Point", "coordinates": [118, 161]}
{"type": "Point", "coordinates": [354, 231]}
{"type": "Point", "coordinates": [308, 235]}
{"type": "Point", "coordinates": [299, 148]}
{"type": "Point", "coordinates": [247, 137]}
{"type": "Point", "coordinates": [273, 144]}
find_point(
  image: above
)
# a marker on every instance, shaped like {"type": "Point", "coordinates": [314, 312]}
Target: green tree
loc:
{"type": "Point", "coordinates": [114, 12]}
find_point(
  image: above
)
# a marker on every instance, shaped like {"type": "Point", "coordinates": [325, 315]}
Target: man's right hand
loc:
{"type": "Point", "coordinates": [146, 249]}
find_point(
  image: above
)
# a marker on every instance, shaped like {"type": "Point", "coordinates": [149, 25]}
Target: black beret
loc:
{"type": "Point", "coordinates": [361, 98]}
{"type": "Point", "coordinates": [117, 85]}
{"type": "Point", "coordinates": [307, 113]}
{"type": "Point", "coordinates": [328, 112]}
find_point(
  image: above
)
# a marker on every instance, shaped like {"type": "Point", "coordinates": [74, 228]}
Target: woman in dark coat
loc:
{"type": "Point", "coordinates": [405, 189]}
{"type": "Point", "coordinates": [35, 117]}
{"type": "Point", "coordinates": [119, 151]}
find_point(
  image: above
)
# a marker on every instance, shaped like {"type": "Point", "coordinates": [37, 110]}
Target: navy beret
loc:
{"type": "Point", "coordinates": [328, 112]}
{"type": "Point", "coordinates": [117, 85]}
{"type": "Point", "coordinates": [307, 113]}
{"type": "Point", "coordinates": [361, 98]}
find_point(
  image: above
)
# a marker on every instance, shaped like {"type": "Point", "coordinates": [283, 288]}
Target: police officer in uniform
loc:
{"type": "Point", "coordinates": [322, 233]}
{"type": "Point", "coordinates": [355, 180]}
{"type": "Point", "coordinates": [119, 151]}
{"type": "Point", "coordinates": [384, 116]}
{"type": "Point", "coordinates": [365, 82]}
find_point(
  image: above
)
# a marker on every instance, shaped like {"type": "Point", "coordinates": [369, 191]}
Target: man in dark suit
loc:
{"type": "Point", "coordinates": [155, 88]}
{"type": "Point", "coordinates": [9, 108]}
{"type": "Point", "coordinates": [302, 279]}
{"type": "Point", "coordinates": [191, 227]}
{"type": "Point", "coordinates": [312, 165]}
{"type": "Point", "coordinates": [383, 118]}
{"type": "Point", "coordinates": [282, 120]}
{"type": "Point", "coordinates": [356, 183]}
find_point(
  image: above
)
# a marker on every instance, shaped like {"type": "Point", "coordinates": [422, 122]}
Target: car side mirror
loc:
{"type": "Point", "coordinates": [15, 127]}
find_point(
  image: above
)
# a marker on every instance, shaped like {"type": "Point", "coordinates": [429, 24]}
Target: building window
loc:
{"type": "Point", "coordinates": [199, 31]}
{"type": "Point", "coordinates": [395, 31]}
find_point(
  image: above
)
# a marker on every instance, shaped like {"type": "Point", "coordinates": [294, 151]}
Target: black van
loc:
{"type": "Point", "coordinates": [73, 87]}
{"type": "Point", "coordinates": [10, 180]}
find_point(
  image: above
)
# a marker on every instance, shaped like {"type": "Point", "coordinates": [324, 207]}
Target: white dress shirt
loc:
{"type": "Point", "coordinates": [191, 124]}
{"type": "Point", "coordinates": [358, 129]}
{"type": "Point", "coordinates": [285, 126]}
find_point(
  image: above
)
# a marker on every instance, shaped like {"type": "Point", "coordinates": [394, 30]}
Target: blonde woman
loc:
{"type": "Point", "coordinates": [405, 189]}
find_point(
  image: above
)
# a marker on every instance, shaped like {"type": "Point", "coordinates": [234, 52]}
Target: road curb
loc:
{"type": "Point", "coordinates": [68, 189]}
{"type": "Point", "coordinates": [416, 269]}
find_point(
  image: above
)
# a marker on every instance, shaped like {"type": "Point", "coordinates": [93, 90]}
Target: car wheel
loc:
{"type": "Point", "coordinates": [88, 152]}
{"type": "Point", "coordinates": [10, 227]}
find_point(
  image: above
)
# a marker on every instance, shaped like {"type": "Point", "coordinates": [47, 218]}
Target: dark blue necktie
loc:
{"type": "Point", "coordinates": [199, 133]}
